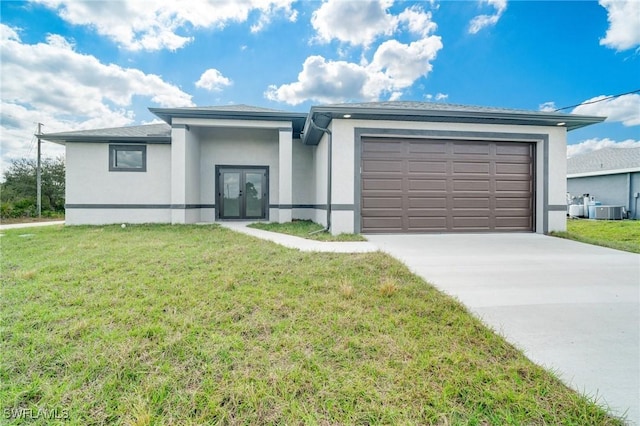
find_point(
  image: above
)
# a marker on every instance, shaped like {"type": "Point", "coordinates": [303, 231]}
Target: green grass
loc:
{"type": "Point", "coordinates": [199, 325]}
{"type": "Point", "coordinates": [617, 234]}
{"type": "Point", "coordinates": [303, 228]}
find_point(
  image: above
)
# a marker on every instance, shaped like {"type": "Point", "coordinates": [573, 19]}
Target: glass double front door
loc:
{"type": "Point", "coordinates": [242, 193]}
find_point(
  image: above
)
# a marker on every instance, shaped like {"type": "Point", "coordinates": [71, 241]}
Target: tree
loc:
{"type": "Point", "coordinates": [18, 190]}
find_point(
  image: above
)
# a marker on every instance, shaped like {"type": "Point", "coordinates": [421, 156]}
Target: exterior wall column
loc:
{"type": "Point", "coordinates": [285, 178]}
{"type": "Point", "coordinates": [178, 173]}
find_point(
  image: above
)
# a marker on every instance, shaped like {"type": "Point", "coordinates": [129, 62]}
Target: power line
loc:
{"type": "Point", "coordinates": [597, 100]}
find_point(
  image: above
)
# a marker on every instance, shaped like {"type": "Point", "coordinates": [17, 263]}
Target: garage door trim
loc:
{"type": "Point", "coordinates": [536, 138]}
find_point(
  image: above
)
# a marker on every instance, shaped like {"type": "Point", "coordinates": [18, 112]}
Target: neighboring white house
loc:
{"type": "Point", "coordinates": [611, 175]}
{"type": "Point", "coordinates": [361, 167]}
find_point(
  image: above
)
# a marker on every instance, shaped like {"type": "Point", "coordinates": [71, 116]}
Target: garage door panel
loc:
{"type": "Point", "coordinates": [427, 185]}
{"type": "Point", "coordinates": [382, 224]}
{"type": "Point", "coordinates": [484, 213]}
{"type": "Point", "coordinates": [382, 202]}
{"type": "Point", "coordinates": [471, 203]}
{"type": "Point", "coordinates": [513, 168]}
{"type": "Point", "coordinates": [417, 166]}
{"type": "Point", "coordinates": [428, 223]}
{"type": "Point", "coordinates": [513, 185]}
{"type": "Point", "coordinates": [435, 212]}
{"type": "Point", "coordinates": [385, 166]}
{"type": "Point", "coordinates": [421, 147]}
{"type": "Point", "coordinates": [523, 202]}
{"type": "Point", "coordinates": [513, 223]}
{"type": "Point", "coordinates": [517, 149]}
{"type": "Point", "coordinates": [471, 222]}
{"type": "Point", "coordinates": [384, 184]}
{"type": "Point", "coordinates": [468, 167]}
{"type": "Point", "coordinates": [471, 185]}
{"type": "Point", "coordinates": [381, 212]}
{"type": "Point", "coordinates": [447, 186]}
{"type": "Point", "coordinates": [427, 202]}
{"type": "Point", "coordinates": [483, 149]}
{"type": "Point", "coordinates": [376, 148]}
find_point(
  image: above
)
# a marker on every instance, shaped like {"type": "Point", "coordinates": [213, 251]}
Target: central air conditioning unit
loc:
{"type": "Point", "coordinates": [609, 212]}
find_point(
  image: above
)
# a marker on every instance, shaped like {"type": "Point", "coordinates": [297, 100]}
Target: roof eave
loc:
{"type": "Point", "coordinates": [167, 113]}
{"type": "Point", "coordinates": [62, 139]}
{"type": "Point", "coordinates": [571, 122]}
{"type": "Point", "coordinates": [603, 172]}
{"type": "Point", "coordinates": [297, 119]}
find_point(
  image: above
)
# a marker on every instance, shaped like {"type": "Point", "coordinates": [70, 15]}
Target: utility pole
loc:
{"type": "Point", "coordinates": [39, 174]}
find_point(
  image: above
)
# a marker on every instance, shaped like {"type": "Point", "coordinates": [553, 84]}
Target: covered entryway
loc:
{"type": "Point", "coordinates": [242, 192]}
{"type": "Point", "coordinates": [435, 185]}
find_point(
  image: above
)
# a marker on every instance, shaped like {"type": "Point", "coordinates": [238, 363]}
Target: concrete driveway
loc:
{"type": "Point", "coordinates": [572, 307]}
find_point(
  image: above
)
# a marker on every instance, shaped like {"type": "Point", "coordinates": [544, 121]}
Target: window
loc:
{"type": "Point", "coordinates": [127, 158]}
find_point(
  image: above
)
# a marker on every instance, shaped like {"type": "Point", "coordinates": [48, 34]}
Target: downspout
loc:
{"type": "Point", "coordinates": [329, 149]}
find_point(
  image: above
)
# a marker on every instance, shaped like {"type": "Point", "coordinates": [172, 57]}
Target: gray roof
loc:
{"type": "Point", "coordinates": [234, 112]}
{"type": "Point", "coordinates": [323, 114]}
{"type": "Point", "coordinates": [604, 161]}
{"type": "Point", "coordinates": [427, 106]}
{"type": "Point", "coordinates": [159, 131]}
{"type": "Point", "coordinates": [228, 108]}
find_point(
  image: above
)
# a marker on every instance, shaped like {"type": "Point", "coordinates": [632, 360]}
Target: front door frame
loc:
{"type": "Point", "coordinates": [242, 169]}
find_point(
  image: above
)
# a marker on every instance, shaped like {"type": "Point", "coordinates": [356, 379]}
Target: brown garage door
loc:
{"type": "Point", "coordinates": [418, 185]}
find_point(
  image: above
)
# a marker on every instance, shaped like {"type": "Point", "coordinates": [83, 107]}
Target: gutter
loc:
{"type": "Point", "coordinates": [329, 169]}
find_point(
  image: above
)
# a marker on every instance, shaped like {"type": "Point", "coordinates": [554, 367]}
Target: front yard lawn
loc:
{"type": "Point", "coordinates": [304, 229]}
{"type": "Point", "coordinates": [200, 325]}
{"type": "Point", "coordinates": [617, 234]}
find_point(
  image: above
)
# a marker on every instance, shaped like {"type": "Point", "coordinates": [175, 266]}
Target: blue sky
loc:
{"type": "Point", "coordinates": [76, 65]}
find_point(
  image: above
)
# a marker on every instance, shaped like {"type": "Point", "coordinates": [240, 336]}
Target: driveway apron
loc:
{"type": "Point", "coordinates": [571, 307]}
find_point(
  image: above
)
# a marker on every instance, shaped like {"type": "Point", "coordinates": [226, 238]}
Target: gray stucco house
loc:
{"type": "Point", "coordinates": [611, 175]}
{"type": "Point", "coordinates": [360, 167]}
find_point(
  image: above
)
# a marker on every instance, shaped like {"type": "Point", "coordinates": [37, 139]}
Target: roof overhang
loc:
{"type": "Point", "coordinates": [62, 139]}
{"type": "Point", "coordinates": [322, 116]}
{"type": "Point", "coordinates": [604, 172]}
{"type": "Point", "coordinates": [297, 119]}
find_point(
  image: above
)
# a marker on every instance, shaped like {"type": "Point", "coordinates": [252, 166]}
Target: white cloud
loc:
{"type": "Point", "coordinates": [590, 145]}
{"type": "Point", "coordinates": [548, 107]}
{"type": "Point", "coordinates": [155, 25]}
{"type": "Point", "coordinates": [624, 24]}
{"type": "Point", "coordinates": [437, 97]}
{"type": "Point", "coordinates": [361, 23]}
{"type": "Point", "coordinates": [213, 80]}
{"type": "Point", "coordinates": [482, 21]}
{"type": "Point", "coordinates": [625, 108]}
{"type": "Point", "coordinates": [323, 81]}
{"type": "Point", "coordinates": [418, 21]}
{"type": "Point", "coordinates": [53, 84]}
{"type": "Point", "coordinates": [395, 66]}
{"type": "Point", "coordinates": [353, 22]}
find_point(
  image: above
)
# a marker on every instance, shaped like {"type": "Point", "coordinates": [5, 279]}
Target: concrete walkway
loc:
{"type": "Point", "coordinates": [302, 244]}
{"type": "Point", "coordinates": [572, 307]}
{"type": "Point", "coordinates": [31, 224]}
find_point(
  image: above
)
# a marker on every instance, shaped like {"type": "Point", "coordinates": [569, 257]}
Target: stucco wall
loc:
{"type": "Point", "coordinates": [320, 163]}
{"type": "Point", "coordinates": [304, 185]}
{"type": "Point", "coordinates": [90, 183]}
{"type": "Point", "coordinates": [105, 216]}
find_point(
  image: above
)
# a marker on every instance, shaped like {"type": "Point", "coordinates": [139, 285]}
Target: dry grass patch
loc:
{"type": "Point", "coordinates": [388, 287]}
